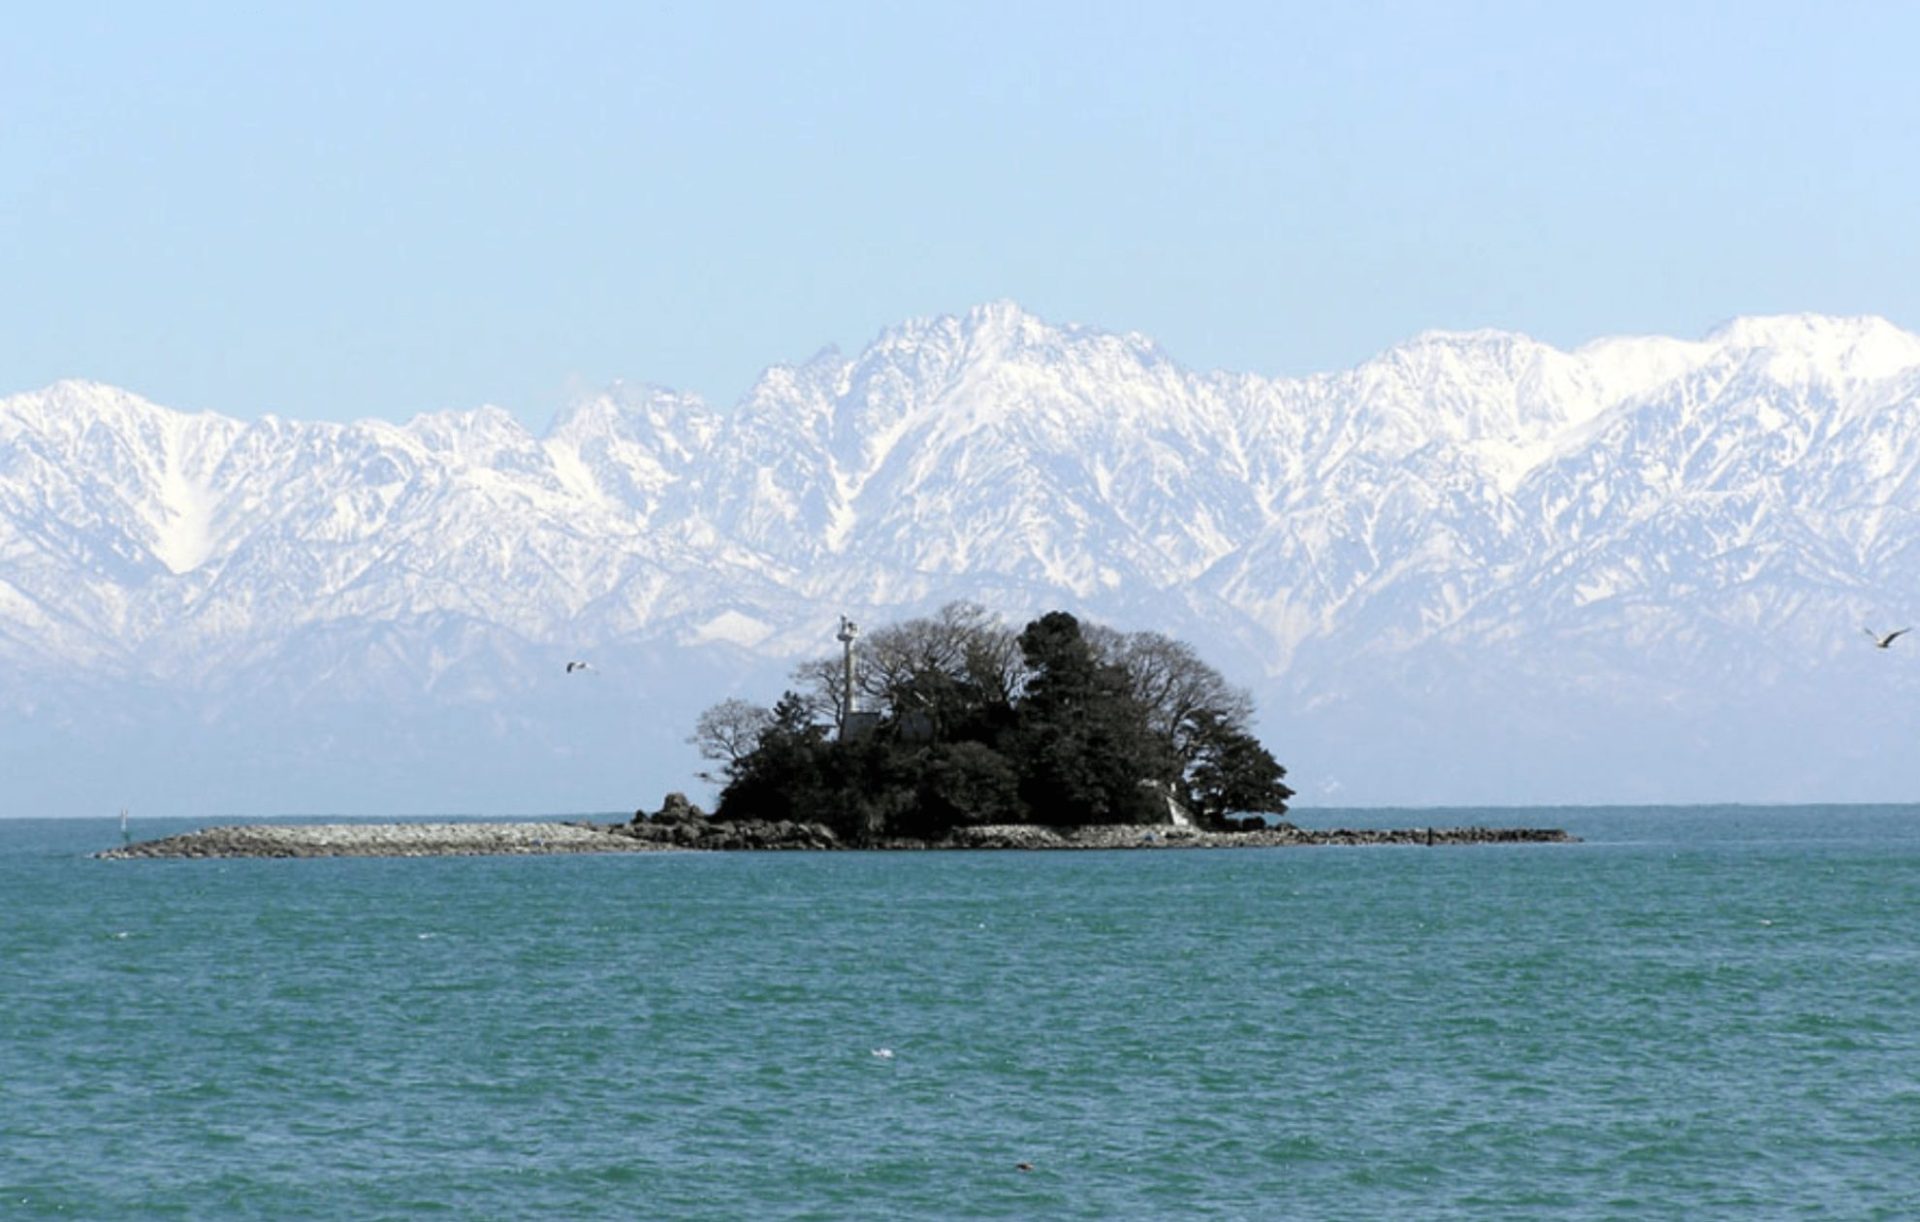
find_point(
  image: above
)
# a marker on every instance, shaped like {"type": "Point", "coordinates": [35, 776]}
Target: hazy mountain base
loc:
{"type": "Point", "coordinates": [1391, 734]}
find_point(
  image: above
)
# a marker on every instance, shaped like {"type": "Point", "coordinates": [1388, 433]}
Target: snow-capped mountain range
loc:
{"type": "Point", "coordinates": [1475, 569]}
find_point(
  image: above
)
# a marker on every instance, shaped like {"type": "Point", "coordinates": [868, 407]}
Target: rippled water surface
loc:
{"type": "Point", "coordinates": [1696, 1012]}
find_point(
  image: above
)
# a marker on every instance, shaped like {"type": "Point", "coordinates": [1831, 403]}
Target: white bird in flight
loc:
{"type": "Point", "coordinates": [1881, 642]}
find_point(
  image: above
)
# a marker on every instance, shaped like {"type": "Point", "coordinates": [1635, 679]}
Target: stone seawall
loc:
{"type": "Point", "coordinates": [386, 840]}
{"type": "Point", "coordinates": [492, 839]}
{"type": "Point", "coordinates": [1023, 836]}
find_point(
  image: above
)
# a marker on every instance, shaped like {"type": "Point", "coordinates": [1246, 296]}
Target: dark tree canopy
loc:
{"type": "Point", "coordinates": [974, 724]}
{"type": "Point", "coordinates": [1081, 741]}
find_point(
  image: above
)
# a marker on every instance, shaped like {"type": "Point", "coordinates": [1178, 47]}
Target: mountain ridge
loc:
{"type": "Point", "coordinates": [1468, 527]}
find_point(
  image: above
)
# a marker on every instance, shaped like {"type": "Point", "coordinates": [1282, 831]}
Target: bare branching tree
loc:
{"type": "Point", "coordinates": [818, 684]}
{"type": "Point", "coordinates": [729, 732]}
{"type": "Point", "coordinates": [963, 643]}
{"type": "Point", "coordinates": [1174, 684]}
{"type": "Point", "coordinates": [895, 666]}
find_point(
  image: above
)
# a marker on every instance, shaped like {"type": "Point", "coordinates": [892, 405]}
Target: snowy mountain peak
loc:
{"type": "Point", "coordinates": [1804, 331]}
{"type": "Point", "coordinates": [634, 411]}
{"type": "Point", "coordinates": [1480, 342]}
{"type": "Point", "coordinates": [1005, 317]}
{"type": "Point", "coordinates": [1000, 331]}
{"type": "Point", "coordinates": [1819, 347]}
{"type": "Point", "coordinates": [74, 404]}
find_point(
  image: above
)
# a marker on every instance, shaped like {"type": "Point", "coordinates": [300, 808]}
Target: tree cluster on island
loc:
{"type": "Point", "coordinates": [962, 722]}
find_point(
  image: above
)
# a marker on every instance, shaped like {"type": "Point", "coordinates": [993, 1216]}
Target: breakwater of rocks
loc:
{"type": "Point", "coordinates": [701, 835]}
{"type": "Point", "coordinates": [1282, 835]}
{"type": "Point", "coordinates": [384, 840]}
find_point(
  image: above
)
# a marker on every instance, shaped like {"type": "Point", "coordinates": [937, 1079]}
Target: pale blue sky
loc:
{"type": "Point", "coordinates": [346, 210]}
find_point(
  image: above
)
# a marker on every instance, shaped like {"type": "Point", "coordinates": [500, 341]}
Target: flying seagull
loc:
{"type": "Point", "coordinates": [573, 666]}
{"type": "Point", "coordinates": [1881, 642]}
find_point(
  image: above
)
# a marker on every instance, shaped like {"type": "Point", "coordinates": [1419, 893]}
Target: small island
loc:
{"type": "Point", "coordinates": [936, 725]}
{"type": "Point", "coordinates": [946, 732]}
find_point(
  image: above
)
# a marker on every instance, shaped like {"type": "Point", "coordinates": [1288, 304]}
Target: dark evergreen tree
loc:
{"type": "Point", "coordinates": [1231, 772]}
{"type": "Point", "coordinates": [1080, 740]}
{"type": "Point", "coordinates": [781, 778]}
{"type": "Point", "coordinates": [962, 784]}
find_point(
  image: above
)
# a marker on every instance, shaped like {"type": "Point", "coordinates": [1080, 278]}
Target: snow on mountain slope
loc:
{"type": "Point", "coordinates": [1473, 568]}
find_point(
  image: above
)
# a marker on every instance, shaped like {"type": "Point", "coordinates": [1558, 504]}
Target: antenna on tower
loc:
{"type": "Point", "coordinates": [848, 632]}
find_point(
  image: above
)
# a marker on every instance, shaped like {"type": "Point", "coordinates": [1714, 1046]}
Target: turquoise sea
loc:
{"type": "Point", "coordinates": [1698, 1012]}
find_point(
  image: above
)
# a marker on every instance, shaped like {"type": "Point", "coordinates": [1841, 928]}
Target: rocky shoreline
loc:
{"type": "Point", "coordinates": [700, 835]}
